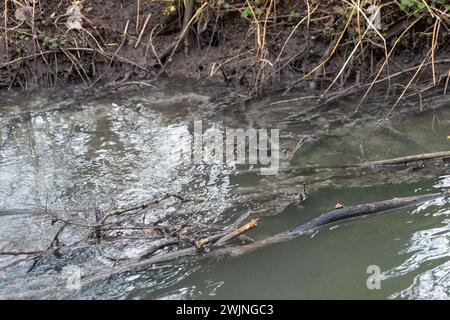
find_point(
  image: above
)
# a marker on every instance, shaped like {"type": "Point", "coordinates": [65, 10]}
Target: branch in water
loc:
{"type": "Point", "coordinates": [408, 159]}
{"type": "Point", "coordinates": [380, 163]}
{"type": "Point", "coordinates": [219, 249]}
{"type": "Point", "coordinates": [344, 213]}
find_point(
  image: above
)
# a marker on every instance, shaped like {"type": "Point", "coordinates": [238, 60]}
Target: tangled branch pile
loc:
{"type": "Point", "coordinates": [130, 226]}
{"type": "Point", "coordinates": [335, 47]}
{"type": "Point", "coordinates": [136, 236]}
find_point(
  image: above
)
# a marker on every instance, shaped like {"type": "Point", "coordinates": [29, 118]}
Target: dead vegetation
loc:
{"type": "Point", "coordinates": [129, 224]}
{"type": "Point", "coordinates": [331, 47]}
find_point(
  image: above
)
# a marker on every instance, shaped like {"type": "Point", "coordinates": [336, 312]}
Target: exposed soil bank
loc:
{"type": "Point", "coordinates": [333, 46]}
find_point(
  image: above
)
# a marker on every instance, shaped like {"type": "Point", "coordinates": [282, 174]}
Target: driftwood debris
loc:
{"type": "Point", "coordinates": [344, 213]}
{"type": "Point", "coordinates": [217, 244]}
{"type": "Point", "coordinates": [335, 215]}
{"type": "Point", "coordinates": [187, 237]}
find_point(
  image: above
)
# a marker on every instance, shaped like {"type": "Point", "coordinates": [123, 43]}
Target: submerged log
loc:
{"type": "Point", "coordinates": [344, 213]}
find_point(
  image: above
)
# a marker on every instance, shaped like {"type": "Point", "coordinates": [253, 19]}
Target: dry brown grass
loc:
{"type": "Point", "coordinates": [337, 44]}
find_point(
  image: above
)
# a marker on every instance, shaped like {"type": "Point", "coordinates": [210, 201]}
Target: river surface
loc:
{"type": "Point", "coordinates": [73, 151]}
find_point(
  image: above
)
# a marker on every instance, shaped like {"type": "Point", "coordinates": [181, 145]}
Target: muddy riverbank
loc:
{"type": "Point", "coordinates": [331, 48]}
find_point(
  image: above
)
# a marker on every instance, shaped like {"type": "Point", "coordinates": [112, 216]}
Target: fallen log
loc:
{"type": "Point", "coordinates": [344, 213]}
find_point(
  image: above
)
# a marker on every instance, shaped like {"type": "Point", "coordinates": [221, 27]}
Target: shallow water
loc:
{"type": "Point", "coordinates": [108, 151]}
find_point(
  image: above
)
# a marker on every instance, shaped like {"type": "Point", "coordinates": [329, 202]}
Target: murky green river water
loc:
{"type": "Point", "coordinates": [75, 152]}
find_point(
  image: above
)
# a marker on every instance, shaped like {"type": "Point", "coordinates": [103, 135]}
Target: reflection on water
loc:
{"type": "Point", "coordinates": [102, 149]}
{"type": "Point", "coordinates": [429, 251]}
{"type": "Point", "coordinates": [126, 148]}
{"type": "Point", "coordinates": [100, 155]}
